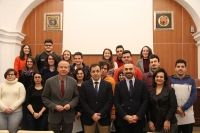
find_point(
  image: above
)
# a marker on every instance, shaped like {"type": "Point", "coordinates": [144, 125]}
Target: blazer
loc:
{"type": "Point", "coordinates": [126, 104]}
{"type": "Point", "coordinates": [102, 103]}
{"type": "Point", "coordinates": [52, 96]}
{"type": "Point", "coordinates": [162, 107]}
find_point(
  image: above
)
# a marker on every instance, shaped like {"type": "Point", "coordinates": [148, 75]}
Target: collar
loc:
{"type": "Point", "coordinates": [96, 81]}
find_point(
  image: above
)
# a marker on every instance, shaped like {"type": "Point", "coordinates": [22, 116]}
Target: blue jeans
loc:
{"type": "Point", "coordinates": [10, 122]}
{"type": "Point", "coordinates": [37, 124]}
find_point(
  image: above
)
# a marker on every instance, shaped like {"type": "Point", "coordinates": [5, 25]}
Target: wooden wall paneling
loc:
{"type": "Point", "coordinates": [187, 23]}
{"type": "Point", "coordinates": [168, 54]}
{"type": "Point", "coordinates": [190, 56]}
{"type": "Point", "coordinates": [169, 36]}
{"type": "Point", "coordinates": [28, 28]}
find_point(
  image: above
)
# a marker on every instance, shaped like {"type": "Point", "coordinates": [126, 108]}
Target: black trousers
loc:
{"type": "Point", "coordinates": [188, 128]}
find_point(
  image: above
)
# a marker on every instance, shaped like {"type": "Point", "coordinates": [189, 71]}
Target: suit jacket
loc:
{"type": "Point", "coordinates": [163, 107]}
{"type": "Point", "coordinates": [91, 104]}
{"type": "Point", "coordinates": [52, 96]}
{"type": "Point", "coordinates": [126, 104]}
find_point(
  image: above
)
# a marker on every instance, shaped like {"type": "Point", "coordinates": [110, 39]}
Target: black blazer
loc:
{"type": "Point", "coordinates": [91, 104]}
{"type": "Point", "coordinates": [130, 105]}
{"type": "Point", "coordinates": [162, 107]}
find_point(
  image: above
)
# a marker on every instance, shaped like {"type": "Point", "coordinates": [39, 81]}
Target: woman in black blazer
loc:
{"type": "Point", "coordinates": [162, 105]}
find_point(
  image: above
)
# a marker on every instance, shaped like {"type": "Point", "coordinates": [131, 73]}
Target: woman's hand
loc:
{"type": "Point", "coordinates": [151, 126]}
{"type": "Point", "coordinates": [8, 111]}
{"type": "Point", "coordinates": [36, 115]}
{"type": "Point", "coordinates": [166, 126]}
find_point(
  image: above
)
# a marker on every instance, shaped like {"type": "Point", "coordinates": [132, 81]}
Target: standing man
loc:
{"type": "Point", "coordinates": [60, 96]}
{"type": "Point", "coordinates": [154, 64]}
{"type": "Point", "coordinates": [186, 94]}
{"type": "Point", "coordinates": [96, 98]}
{"type": "Point", "coordinates": [130, 100]}
{"type": "Point", "coordinates": [119, 51]}
{"type": "Point", "coordinates": [78, 59]}
{"type": "Point", "coordinates": [41, 57]}
{"type": "Point", "coordinates": [126, 58]}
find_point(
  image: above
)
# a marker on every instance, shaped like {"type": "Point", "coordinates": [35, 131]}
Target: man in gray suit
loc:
{"type": "Point", "coordinates": [60, 96]}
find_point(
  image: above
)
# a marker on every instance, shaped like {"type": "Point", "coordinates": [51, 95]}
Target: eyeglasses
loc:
{"type": "Point", "coordinates": [48, 45]}
{"type": "Point", "coordinates": [37, 77]}
{"type": "Point", "coordinates": [10, 74]}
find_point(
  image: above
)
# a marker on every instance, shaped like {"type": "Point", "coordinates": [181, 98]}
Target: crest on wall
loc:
{"type": "Point", "coordinates": [52, 21]}
{"type": "Point", "coordinates": [163, 20]}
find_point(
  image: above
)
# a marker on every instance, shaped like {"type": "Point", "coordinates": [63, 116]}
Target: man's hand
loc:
{"type": "Point", "coordinates": [96, 117]}
{"type": "Point", "coordinates": [151, 126]}
{"type": "Point", "coordinates": [78, 115]}
{"type": "Point", "coordinates": [129, 118]}
{"type": "Point", "coordinates": [166, 126]}
{"type": "Point", "coordinates": [180, 112]}
{"type": "Point", "coordinates": [67, 107]}
{"type": "Point", "coordinates": [59, 108]}
{"type": "Point", "coordinates": [135, 118]}
{"type": "Point", "coordinates": [36, 115]}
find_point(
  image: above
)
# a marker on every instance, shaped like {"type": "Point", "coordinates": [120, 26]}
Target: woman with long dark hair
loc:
{"type": "Point", "coordinates": [50, 68]}
{"type": "Point", "coordinates": [79, 76]}
{"type": "Point", "coordinates": [67, 56]}
{"type": "Point", "coordinates": [162, 105]}
{"type": "Point", "coordinates": [25, 78]}
{"type": "Point", "coordinates": [20, 60]}
{"type": "Point", "coordinates": [37, 115]}
{"type": "Point", "coordinates": [108, 57]}
{"type": "Point", "coordinates": [143, 62]}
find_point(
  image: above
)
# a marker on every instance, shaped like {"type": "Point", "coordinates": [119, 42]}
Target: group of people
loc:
{"type": "Point", "coordinates": [49, 92]}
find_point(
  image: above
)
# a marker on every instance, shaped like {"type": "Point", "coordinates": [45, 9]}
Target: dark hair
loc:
{"type": "Point", "coordinates": [180, 61]}
{"type": "Point", "coordinates": [119, 46]}
{"type": "Point", "coordinates": [94, 65]}
{"type": "Point", "coordinates": [70, 59]}
{"type": "Point", "coordinates": [48, 41]}
{"type": "Point", "coordinates": [22, 54]}
{"type": "Point", "coordinates": [150, 51]}
{"type": "Point", "coordinates": [35, 69]}
{"type": "Point", "coordinates": [126, 52]}
{"type": "Point", "coordinates": [55, 62]}
{"type": "Point", "coordinates": [165, 76]}
{"type": "Point", "coordinates": [154, 56]}
{"type": "Point", "coordinates": [10, 70]}
{"type": "Point", "coordinates": [110, 60]}
{"type": "Point", "coordinates": [78, 53]}
{"type": "Point", "coordinates": [76, 71]}
{"type": "Point", "coordinates": [33, 82]}
{"type": "Point", "coordinates": [102, 63]}
{"type": "Point", "coordinates": [120, 72]}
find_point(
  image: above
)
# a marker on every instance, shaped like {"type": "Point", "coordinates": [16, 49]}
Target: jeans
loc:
{"type": "Point", "coordinates": [40, 124]}
{"type": "Point", "coordinates": [10, 121]}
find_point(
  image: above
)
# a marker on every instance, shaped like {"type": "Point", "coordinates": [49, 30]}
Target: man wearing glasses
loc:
{"type": "Point", "coordinates": [41, 57]}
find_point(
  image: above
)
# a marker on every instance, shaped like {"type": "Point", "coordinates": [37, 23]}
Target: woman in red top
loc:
{"type": "Point", "coordinates": [20, 60]}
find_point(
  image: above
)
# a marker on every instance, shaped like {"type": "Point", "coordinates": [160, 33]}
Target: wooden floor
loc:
{"type": "Point", "coordinates": [196, 129]}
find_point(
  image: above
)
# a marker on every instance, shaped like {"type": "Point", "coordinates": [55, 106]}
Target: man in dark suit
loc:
{"type": "Point", "coordinates": [130, 100]}
{"type": "Point", "coordinates": [96, 98]}
{"type": "Point", "coordinates": [60, 96]}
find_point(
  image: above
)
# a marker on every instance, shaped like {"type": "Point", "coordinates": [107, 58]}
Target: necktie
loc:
{"type": "Point", "coordinates": [96, 87]}
{"type": "Point", "coordinates": [62, 88]}
{"type": "Point", "coordinates": [131, 87]}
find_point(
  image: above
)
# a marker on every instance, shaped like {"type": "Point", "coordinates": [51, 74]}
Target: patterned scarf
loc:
{"type": "Point", "coordinates": [28, 72]}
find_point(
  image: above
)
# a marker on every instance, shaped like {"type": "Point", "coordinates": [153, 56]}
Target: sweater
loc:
{"type": "Point", "coordinates": [186, 94]}
{"type": "Point", "coordinates": [19, 65]}
{"type": "Point", "coordinates": [12, 95]}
